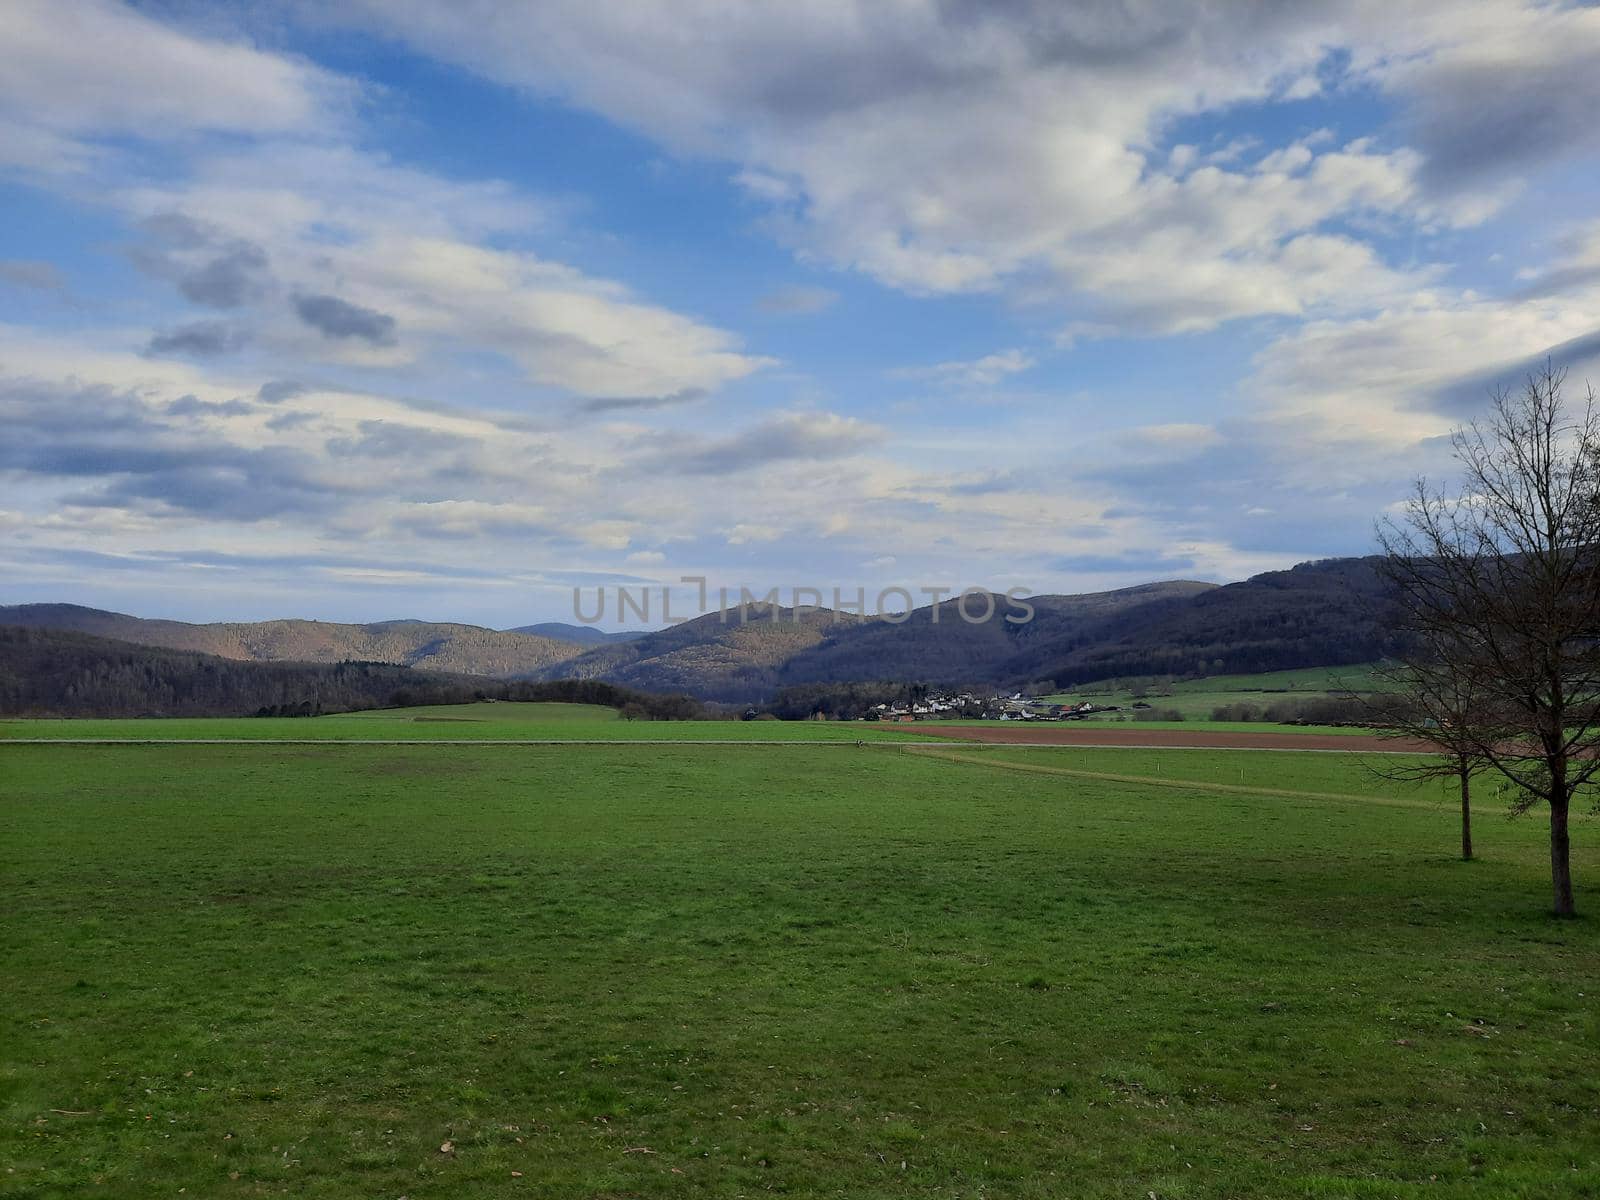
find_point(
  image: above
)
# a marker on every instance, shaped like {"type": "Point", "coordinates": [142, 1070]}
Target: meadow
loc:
{"type": "Point", "coordinates": [490, 721]}
{"type": "Point", "coordinates": [1197, 699]}
{"type": "Point", "coordinates": [718, 971]}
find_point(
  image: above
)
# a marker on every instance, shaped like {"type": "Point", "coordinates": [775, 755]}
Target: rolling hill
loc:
{"type": "Point", "coordinates": [1316, 614]}
{"type": "Point", "coordinates": [581, 635]}
{"type": "Point", "coordinates": [732, 655]}
{"type": "Point", "coordinates": [459, 649]}
{"type": "Point", "coordinates": [57, 672]}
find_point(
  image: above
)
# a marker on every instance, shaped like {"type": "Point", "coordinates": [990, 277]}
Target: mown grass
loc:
{"type": "Point", "coordinates": [1086, 728]}
{"type": "Point", "coordinates": [452, 722]}
{"type": "Point", "coordinates": [1197, 699]}
{"type": "Point", "coordinates": [720, 971]}
{"type": "Point", "coordinates": [1291, 770]}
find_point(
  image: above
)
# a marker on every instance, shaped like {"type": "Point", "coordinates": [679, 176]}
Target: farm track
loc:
{"type": "Point", "coordinates": [447, 742]}
{"type": "Point", "coordinates": [938, 736]}
{"type": "Point", "coordinates": [1237, 789]}
{"type": "Point", "coordinates": [1003, 734]}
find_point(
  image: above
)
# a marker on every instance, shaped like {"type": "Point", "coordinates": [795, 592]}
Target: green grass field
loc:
{"type": "Point", "coordinates": [1196, 699]}
{"type": "Point", "coordinates": [1088, 725]}
{"type": "Point", "coordinates": [721, 971]}
{"type": "Point", "coordinates": [499, 721]}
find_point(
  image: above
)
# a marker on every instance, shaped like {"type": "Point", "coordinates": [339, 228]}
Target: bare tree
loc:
{"type": "Point", "coordinates": [1424, 700]}
{"type": "Point", "coordinates": [1500, 585]}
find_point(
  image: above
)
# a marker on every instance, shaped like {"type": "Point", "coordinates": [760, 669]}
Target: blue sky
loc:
{"type": "Point", "coordinates": [438, 310]}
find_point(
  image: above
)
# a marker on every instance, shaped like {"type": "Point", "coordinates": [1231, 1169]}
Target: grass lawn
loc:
{"type": "Point", "coordinates": [1089, 725]}
{"type": "Point", "coordinates": [1292, 771]}
{"type": "Point", "coordinates": [1197, 699]}
{"type": "Point", "coordinates": [618, 971]}
{"type": "Point", "coordinates": [498, 721]}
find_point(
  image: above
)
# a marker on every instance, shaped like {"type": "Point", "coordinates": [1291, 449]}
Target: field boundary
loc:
{"type": "Point", "coordinates": [1240, 789]}
{"type": "Point", "coordinates": [893, 743]}
{"type": "Point", "coordinates": [271, 741]}
{"type": "Point", "coordinates": [1007, 734]}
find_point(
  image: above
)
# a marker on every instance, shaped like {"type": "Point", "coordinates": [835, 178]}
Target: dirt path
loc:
{"type": "Point", "coordinates": [1237, 789]}
{"type": "Point", "coordinates": [1030, 734]}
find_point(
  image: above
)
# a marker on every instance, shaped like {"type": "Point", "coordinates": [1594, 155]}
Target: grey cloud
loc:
{"type": "Point", "coordinates": [290, 420]}
{"type": "Point", "coordinates": [254, 486]}
{"type": "Point", "coordinates": [29, 273]}
{"type": "Point", "coordinates": [230, 280]}
{"type": "Point", "coordinates": [198, 338]}
{"type": "Point", "coordinates": [381, 439]}
{"type": "Point", "coordinates": [276, 391]}
{"type": "Point", "coordinates": [209, 266]}
{"type": "Point", "coordinates": [1469, 396]}
{"type": "Point", "coordinates": [140, 459]}
{"type": "Point", "coordinates": [1476, 121]}
{"type": "Point", "coordinates": [180, 231]}
{"type": "Point", "coordinates": [160, 559]}
{"type": "Point", "coordinates": [603, 404]}
{"type": "Point", "coordinates": [785, 437]}
{"type": "Point", "coordinates": [991, 484]}
{"type": "Point", "coordinates": [1554, 283]}
{"type": "Point", "coordinates": [191, 406]}
{"type": "Point", "coordinates": [336, 318]}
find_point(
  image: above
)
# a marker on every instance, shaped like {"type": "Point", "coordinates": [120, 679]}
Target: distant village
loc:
{"type": "Point", "coordinates": [1015, 707]}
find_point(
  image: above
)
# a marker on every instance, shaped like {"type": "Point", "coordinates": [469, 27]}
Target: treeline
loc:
{"type": "Point", "coordinates": [631, 703]}
{"type": "Point", "coordinates": [55, 673]}
{"type": "Point", "coordinates": [1309, 710]}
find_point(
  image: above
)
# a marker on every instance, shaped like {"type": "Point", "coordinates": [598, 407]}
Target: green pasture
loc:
{"type": "Point", "coordinates": [493, 721]}
{"type": "Point", "coordinates": [1196, 699]}
{"type": "Point", "coordinates": [722, 971]}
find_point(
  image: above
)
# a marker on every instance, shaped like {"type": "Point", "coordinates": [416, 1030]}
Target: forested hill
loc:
{"type": "Point", "coordinates": [436, 646]}
{"type": "Point", "coordinates": [57, 673]}
{"type": "Point", "coordinates": [938, 644]}
{"type": "Point", "coordinates": [736, 655]}
{"type": "Point", "coordinates": [581, 635]}
{"type": "Point", "coordinates": [53, 672]}
{"type": "Point", "coordinates": [1317, 614]}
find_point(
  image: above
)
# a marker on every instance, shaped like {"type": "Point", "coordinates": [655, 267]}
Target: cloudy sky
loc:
{"type": "Point", "coordinates": [440, 310]}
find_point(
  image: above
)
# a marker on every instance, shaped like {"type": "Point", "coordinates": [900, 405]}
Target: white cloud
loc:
{"type": "Point", "coordinates": [87, 68]}
{"type": "Point", "coordinates": [745, 533]}
{"type": "Point", "coordinates": [1411, 373]}
{"type": "Point", "coordinates": [978, 372]}
{"type": "Point", "coordinates": [945, 148]}
{"type": "Point", "coordinates": [404, 245]}
{"type": "Point", "coordinates": [325, 252]}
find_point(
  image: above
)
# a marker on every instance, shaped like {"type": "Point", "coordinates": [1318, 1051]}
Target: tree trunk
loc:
{"type": "Point", "coordinates": [1466, 814]}
{"type": "Point", "coordinates": [1560, 859]}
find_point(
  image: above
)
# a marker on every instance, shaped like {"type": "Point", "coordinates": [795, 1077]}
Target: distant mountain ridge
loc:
{"type": "Point", "coordinates": [581, 635]}
{"type": "Point", "coordinates": [59, 672]}
{"type": "Point", "coordinates": [1325, 613]}
{"type": "Point", "coordinates": [436, 646]}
